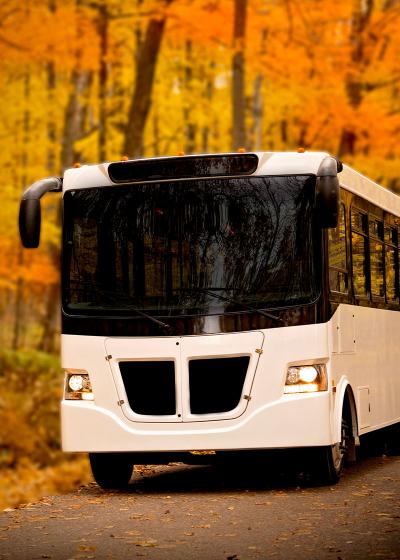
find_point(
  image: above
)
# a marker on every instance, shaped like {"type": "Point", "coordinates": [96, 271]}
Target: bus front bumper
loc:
{"type": "Point", "coordinates": [290, 422]}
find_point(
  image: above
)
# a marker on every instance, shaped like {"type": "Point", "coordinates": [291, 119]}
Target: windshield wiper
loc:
{"type": "Point", "coordinates": [161, 324]}
{"type": "Point", "coordinates": [247, 307]}
{"type": "Point", "coordinates": [129, 307]}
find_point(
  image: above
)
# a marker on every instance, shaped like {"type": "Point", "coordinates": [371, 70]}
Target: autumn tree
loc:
{"type": "Point", "coordinates": [141, 98]}
{"type": "Point", "coordinates": [238, 75]}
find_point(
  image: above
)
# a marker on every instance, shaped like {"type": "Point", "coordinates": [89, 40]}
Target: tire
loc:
{"type": "Point", "coordinates": [373, 444]}
{"type": "Point", "coordinates": [393, 440]}
{"type": "Point", "coordinates": [111, 471]}
{"type": "Point", "coordinates": [330, 460]}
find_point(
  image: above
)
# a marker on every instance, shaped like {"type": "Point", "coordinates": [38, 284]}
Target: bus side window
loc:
{"type": "Point", "coordinates": [359, 251]}
{"type": "Point", "coordinates": [391, 264]}
{"type": "Point", "coordinates": [338, 276]}
{"type": "Point", "coordinates": [377, 258]}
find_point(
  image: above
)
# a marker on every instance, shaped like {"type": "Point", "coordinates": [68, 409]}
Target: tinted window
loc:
{"type": "Point", "coordinates": [391, 263]}
{"type": "Point", "coordinates": [338, 281]}
{"type": "Point", "coordinates": [377, 260]}
{"type": "Point", "coordinates": [359, 252]}
{"type": "Point", "coordinates": [190, 247]}
{"type": "Point", "coordinates": [391, 273]}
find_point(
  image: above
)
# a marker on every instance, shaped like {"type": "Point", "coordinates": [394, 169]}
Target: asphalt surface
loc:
{"type": "Point", "coordinates": [202, 512]}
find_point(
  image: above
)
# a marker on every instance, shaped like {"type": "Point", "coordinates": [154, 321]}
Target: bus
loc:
{"type": "Point", "coordinates": [222, 304]}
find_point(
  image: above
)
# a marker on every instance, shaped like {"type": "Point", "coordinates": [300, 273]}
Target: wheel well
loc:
{"type": "Point", "coordinates": [349, 412]}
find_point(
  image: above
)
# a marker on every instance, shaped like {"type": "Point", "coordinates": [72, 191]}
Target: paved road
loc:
{"type": "Point", "coordinates": [181, 512]}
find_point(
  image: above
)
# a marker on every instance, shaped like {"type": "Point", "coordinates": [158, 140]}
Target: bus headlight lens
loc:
{"type": "Point", "coordinates": [306, 379]}
{"type": "Point", "coordinates": [76, 382]}
{"type": "Point", "coordinates": [77, 385]}
{"type": "Point", "coordinates": [308, 374]}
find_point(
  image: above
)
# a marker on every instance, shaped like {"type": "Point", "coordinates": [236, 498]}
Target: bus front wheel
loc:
{"type": "Point", "coordinates": [330, 460]}
{"type": "Point", "coordinates": [111, 471]}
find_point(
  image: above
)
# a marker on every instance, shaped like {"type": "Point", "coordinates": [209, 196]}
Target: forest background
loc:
{"type": "Point", "coordinates": [93, 80]}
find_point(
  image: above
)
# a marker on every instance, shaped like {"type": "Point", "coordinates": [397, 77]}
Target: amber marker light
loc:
{"type": "Point", "coordinates": [180, 153]}
{"type": "Point", "coordinates": [300, 150]}
{"type": "Point", "coordinates": [76, 165]}
{"type": "Point", "coordinates": [241, 150]}
{"type": "Point", "coordinates": [124, 158]}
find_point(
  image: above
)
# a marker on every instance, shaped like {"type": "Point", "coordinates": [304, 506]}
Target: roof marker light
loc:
{"type": "Point", "coordinates": [180, 153]}
{"type": "Point", "coordinates": [241, 150]}
{"type": "Point", "coordinates": [124, 158]}
{"type": "Point", "coordinates": [300, 150]}
{"type": "Point", "coordinates": [76, 165]}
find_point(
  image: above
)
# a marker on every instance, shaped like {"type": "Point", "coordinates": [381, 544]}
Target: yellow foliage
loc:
{"type": "Point", "coordinates": [27, 483]}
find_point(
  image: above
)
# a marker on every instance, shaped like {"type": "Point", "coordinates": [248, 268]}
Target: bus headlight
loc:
{"type": "Point", "coordinates": [306, 379]}
{"type": "Point", "coordinates": [77, 385]}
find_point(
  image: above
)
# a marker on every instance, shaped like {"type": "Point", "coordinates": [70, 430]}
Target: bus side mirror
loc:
{"type": "Point", "coordinates": [30, 222]}
{"type": "Point", "coordinates": [30, 211]}
{"type": "Point", "coordinates": [327, 193]}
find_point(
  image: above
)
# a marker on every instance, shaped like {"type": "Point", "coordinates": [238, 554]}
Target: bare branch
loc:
{"type": "Point", "coordinates": [373, 86]}
{"type": "Point", "coordinates": [12, 44]}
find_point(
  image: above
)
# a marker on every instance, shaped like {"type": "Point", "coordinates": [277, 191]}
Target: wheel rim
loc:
{"type": "Point", "coordinates": [340, 450]}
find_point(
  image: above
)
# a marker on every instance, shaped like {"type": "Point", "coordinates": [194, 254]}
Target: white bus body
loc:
{"type": "Point", "coordinates": [356, 350]}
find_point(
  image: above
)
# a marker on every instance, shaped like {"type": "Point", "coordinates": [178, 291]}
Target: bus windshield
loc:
{"type": "Point", "coordinates": [190, 247]}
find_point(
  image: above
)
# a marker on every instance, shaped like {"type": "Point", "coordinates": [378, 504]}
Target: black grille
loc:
{"type": "Point", "coordinates": [216, 384]}
{"type": "Point", "coordinates": [150, 387]}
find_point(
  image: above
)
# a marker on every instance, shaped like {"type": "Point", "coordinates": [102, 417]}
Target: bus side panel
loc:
{"type": "Point", "coordinates": [371, 363]}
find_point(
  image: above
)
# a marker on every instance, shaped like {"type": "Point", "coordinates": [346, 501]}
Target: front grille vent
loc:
{"type": "Point", "coordinates": [150, 387]}
{"type": "Point", "coordinates": [216, 384]}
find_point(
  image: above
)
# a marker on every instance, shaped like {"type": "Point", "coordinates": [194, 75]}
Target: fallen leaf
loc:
{"type": "Point", "coordinates": [147, 543]}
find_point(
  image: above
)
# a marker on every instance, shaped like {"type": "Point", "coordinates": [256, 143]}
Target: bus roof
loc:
{"type": "Point", "coordinates": [357, 183]}
{"type": "Point", "coordinates": [270, 163]}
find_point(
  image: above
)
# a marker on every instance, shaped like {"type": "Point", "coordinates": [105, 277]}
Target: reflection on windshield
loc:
{"type": "Point", "coordinates": [161, 247]}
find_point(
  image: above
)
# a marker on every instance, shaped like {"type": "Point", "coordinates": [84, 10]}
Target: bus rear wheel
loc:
{"type": "Point", "coordinates": [393, 440]}
{"type": "Point", "coordinates": [111, 471]}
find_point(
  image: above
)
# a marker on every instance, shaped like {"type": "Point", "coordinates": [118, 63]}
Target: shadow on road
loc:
{"type": "Point", "coordinates": [237, 477]}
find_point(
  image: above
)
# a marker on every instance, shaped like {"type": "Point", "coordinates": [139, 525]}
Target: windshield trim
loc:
{"type": "Point", "coordinates": [180, 180]}
{"type": "Point", "coordinates": [253, 311]}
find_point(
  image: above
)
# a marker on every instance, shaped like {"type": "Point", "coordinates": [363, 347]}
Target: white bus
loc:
{"type": "Point", "coordinates": [224, 303]}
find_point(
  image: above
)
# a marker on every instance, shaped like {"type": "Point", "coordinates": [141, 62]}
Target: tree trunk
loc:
{"type": "Point", "coordinates": [362, 11]}
{"type": "Point", "coordinates": [72, 130]}
{"type": "Point", "coordinates": [238, 76]}
{"type": "Point", "coordinates": [156, 133]}
{"type": "Point", "coordinates": [188, 109]}
{"type": "Point", "coordinates": [19, 293]}
{"type": "Point", "coordinates": [73, 117]}
{"type": "Point", "coordinates": [51, 121]}
{"type": "Point", "coordinates": [208, 95]}
{"type": "Point", "coordinates": [257, 113]}
{"type": "Point", "coordinates": [142, 94]}
{"type": "Point", "coordinates": [258, 109]}
{"type": "Point", "coordinates": [283, 124]}
{"type": "Point", "coordinates": [50, 318]}
{"type": "Point", "coordinates": [102, 25]}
